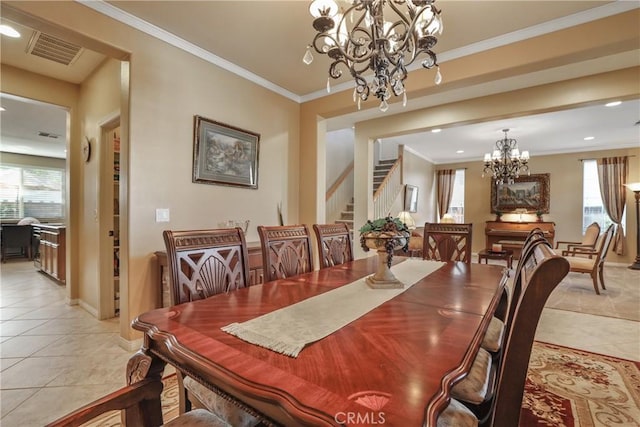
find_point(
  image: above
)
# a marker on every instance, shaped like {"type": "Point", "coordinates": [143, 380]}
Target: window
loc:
{"type": "Point", "coordinates": [30, 191]}
{"type": "Point", "coordinates": [592, 207]}
{"type": "Point", "coordinates": [456, 207]}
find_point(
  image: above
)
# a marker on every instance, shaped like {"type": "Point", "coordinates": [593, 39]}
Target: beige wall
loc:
{"type": "Point", "coordinates": [99, 102]}
{"type": "Point", "coordinates": [26, 160]}
{"type": "Point", "coordinates": [418, 171]}
{"type": "Point", "coordinates": [565, 204]}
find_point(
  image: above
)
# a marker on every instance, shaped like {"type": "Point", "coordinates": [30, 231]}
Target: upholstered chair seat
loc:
{"type": "Point", "coordinates": [231, 414]}
{"type": "Point", "coordinates": [493, 338]}
{"type": "Point", "coordinates": [197, 418]}
{"type": "Point", "coordinates": [457, 415]}
{"type": "Point", "coordinates": [474, 388]}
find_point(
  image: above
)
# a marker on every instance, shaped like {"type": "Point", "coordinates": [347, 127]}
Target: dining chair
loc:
{"type": "Point", "coordinates": [541, 272]}
{"type": "Point", "coordinates": [447, 242]}
{"type": "Point", "coordinates": [591, 262]}
{"type": "Point", "coordinates": [588, 243]}
{"type": "Point", "coordinates": [138, 404]}
{"type": "Point", "coordinates": [334, 244]}
{"type": "Point", "coordinates": [286, 251]}
{"type": "Point", "coordinates": [203, 263]}
{"type": "Point", "coordinates": [488, 383]}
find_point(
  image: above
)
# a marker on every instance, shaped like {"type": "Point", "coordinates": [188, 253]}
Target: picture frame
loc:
{"type": "Point", "coordinates": [527, 192]}
{"type": "Point", "coordinates": [224, 154]}
{"type": "Point", "coordinates": [410, 198]}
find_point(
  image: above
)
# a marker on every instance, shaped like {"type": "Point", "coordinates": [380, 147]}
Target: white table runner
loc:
{"type": "Point", "coordinates": [289, 329]}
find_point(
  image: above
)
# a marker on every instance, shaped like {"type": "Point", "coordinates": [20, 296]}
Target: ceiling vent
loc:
{"type": "Point", "coordinates": [48, 135]}
{"type": "Point", "coordinates": [52, 48]}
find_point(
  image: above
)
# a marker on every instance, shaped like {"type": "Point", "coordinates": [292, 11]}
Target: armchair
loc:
{"type": "Point", "coordinates": [582, 260]}
{"type": "Point", "coordinates": [588, 243]}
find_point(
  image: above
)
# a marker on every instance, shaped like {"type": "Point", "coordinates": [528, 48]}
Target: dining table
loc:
{"type": "Point", "coordinates": [394, 365]}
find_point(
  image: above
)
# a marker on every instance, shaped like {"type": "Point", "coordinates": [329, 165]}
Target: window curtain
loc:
{"type": "Point", "coordinates": [445, 179]}
{"type": "Point", "coordinates": [612, 175]}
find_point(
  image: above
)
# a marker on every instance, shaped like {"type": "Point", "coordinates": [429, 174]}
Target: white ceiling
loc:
{"type": "Point", "coordinates": [210, 30]}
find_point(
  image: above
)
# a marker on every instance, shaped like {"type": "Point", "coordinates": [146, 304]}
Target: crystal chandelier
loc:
{"type": "Point", "coordinates": [375, 35]}
{"type": "Point", "coordinates": [506, 163]}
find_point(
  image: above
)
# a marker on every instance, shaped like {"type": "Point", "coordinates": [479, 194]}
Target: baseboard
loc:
{"type": "Point", "coordinates": [132, 345]}
{"type": "Point", "coordinates": [70, 301]}
{"type": "Point", "coordinates": [88, 308]}
{"type": "Point", "coordinates": [617, 264]}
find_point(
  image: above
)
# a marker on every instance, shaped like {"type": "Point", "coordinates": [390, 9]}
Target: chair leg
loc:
{"type": "Point", "coordinates": [594, 276]}
{"type": "Point", "coordinates": [184, 404]}
{"type": "Point", "coordinates": [601, 273]}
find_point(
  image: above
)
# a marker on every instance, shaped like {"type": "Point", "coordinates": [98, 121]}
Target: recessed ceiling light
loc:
{"type": "Point", "coordinates": [8, 31]}
{"type": "Point", "coordinates": [613, 104]}
{"type": "Point", "coordinates": [2, 109]}
{"type": "Point", "coordinates": [436, 130]}
{"type": "Point", "coordinates": [459, 151]}
{"type": "Point", "coordinates": [589, 138]}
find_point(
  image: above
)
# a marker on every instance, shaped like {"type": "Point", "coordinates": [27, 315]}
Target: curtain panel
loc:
{"type": "Point", "coordinates": [445, 179]}
{"type": "Point", "coordinates": [612, 175]}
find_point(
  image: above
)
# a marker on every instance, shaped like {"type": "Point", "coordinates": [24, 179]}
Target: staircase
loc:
{"type": "Point", "coordinates": [346, 216]}
{"type": "Point", "coordinates": [380, 172]}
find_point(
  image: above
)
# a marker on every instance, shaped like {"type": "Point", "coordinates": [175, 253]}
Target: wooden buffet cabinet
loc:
{"type": "Point", "coordinates": [511, 235]}
{"type": "Point", "coordinates": [163, 299]}
{"type": "Point", "coordinates": [52, 250]}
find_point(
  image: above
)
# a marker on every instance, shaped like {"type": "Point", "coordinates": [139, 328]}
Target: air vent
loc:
{"type": "Point", "coordinates": [52, 48]}
{"type": "Point", "coordinates": [48, 135]}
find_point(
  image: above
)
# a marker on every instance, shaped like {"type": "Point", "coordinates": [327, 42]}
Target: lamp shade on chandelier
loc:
{"type": "Point", "coordinates": [506, 163]}
{"type": "Point", "coordinates": [379, 36]}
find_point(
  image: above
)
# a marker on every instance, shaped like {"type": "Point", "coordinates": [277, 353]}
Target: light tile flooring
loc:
{"type": "Point", "coordinates": [55, 357]}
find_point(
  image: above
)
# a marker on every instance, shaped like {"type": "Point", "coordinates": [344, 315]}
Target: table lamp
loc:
{"type": "Point", "coordinates": [406, 217]}
{"type": "Point", "coordinates": [635, 187]}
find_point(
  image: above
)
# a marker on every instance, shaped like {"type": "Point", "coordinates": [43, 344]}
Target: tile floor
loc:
{"type": "Point", "coordinates": [55, 357]}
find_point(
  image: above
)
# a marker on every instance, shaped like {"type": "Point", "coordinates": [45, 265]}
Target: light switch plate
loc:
{"type": "Point", "coordinates": [162, 215]}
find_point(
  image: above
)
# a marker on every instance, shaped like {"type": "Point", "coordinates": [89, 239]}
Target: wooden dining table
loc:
{"type": "Point", "coordinates": [393, 366]}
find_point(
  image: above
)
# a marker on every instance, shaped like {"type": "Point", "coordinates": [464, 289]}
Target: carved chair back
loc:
{"type": "Point", "coordinates": [286, 251]}
{"type": "Point", "coordinates": [447, 242]}
{"type": "Point", "coordinates": [334, 244]}
{"type": "Point", "coordinates": [203, 263]}
{"type": "Point", "coordinates": [591, 235]}
{"type": "Point", "coordinates": [541, 271]}
{"type": "Point", "coordinates": [605, 242]}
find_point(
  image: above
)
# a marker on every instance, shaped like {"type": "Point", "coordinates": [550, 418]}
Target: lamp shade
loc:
{"type": "Point", "coordinates": [633, 186]}
{"type": "Point", "coordinates": [406, 217]}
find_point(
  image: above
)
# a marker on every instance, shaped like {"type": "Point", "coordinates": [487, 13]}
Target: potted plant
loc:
{"type": "Point", "coordinates": [384, 235]}
{"type": "Point", "coordinates": [498, 216]}
{"type": "Point", "coordinates": [539, 215]}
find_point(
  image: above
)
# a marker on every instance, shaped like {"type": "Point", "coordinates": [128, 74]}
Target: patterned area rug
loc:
{"type": "Point", "coordinates": [574, 388]}
{"type": "Point", "coordinates": [169, 406]}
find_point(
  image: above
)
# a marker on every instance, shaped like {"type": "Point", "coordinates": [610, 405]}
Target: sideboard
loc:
{"type": "Point", "coordinates": [163, 298]}
{"type": "Point", "coordinates": [511, 235]}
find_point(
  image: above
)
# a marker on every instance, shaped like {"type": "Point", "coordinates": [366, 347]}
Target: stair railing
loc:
{"type": "Point", "coordinates": [339, 195]}
{"type": "Point", "coordinates": [386, 194]}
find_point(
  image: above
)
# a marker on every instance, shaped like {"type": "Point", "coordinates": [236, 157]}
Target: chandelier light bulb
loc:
{"type": "Point", "coordinates": [438, 79]}
{"type": "Point", "coordinates": [320, 8]}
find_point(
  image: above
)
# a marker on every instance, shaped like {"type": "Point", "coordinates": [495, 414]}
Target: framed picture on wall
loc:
{"type": "Point", "coordinates": [410, 198]}
{"type": "Point", "coordinates": [526, 192]}
{"type": "Point", "coordinates": [224, 154]}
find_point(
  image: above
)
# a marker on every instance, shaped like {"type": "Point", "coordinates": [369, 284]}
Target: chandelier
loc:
{"type": "Point", "coordinates": [506, 163]}
{"type": "Point", "coordinates": [375, 35]}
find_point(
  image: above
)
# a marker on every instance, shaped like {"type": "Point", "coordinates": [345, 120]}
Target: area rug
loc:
{"type": "Point", "coordinates": [573, 388]}
{"type": "Point", "coordinates": [169, 399]}
{"type": "Point", "coordinates": [621, 299]}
